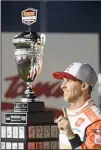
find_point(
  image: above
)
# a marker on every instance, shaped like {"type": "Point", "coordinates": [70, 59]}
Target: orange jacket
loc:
{"type": "Point", "coordinates": [86, 124]}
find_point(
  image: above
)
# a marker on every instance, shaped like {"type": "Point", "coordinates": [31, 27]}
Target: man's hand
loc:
{"type": "Point", "coordinates": [64, 125]}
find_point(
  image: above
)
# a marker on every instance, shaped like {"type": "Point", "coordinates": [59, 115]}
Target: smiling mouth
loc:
{"type": "Point", "coordinates": [65, 93]}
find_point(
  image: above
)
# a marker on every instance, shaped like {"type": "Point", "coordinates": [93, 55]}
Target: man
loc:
{"type": "Point", "coordinates": [80, 127]}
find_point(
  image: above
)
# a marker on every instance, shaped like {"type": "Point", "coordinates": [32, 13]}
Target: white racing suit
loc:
{"type": "Point", "coordinates": [86, 124]}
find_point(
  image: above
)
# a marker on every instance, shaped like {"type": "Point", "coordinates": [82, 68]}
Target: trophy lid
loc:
{"type": "Point", "coordinates": [32, 36]}
{"type": "Point", "coordinates": [29, 39]}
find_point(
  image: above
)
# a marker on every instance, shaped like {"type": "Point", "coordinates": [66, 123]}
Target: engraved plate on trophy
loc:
{"type": "Point", "coordinates": [14, 146]}
{"type": "Point", "coordinates": [54, 145]}
{"type": "Point", "coordinates": [39, 145]}
{"type": "Point", "coordinates": [31, 131]}
{"type": "Point", "coordinates": [15, 118]}
{"type": "Point", "coordinates": [54, 131]}
{"type": "Point", "coordinates": [3, 131]}
{"type": "Point", "coordinates": [9, 131]}
{"type": "Point", "coordinates": [39, 131]}
{"type": "Point", "coordinates": [20, 107]}
{"type": "Point", "coordinates": [47, 131]}
{"type": "Point", "coordinates": [15, 132]}
{"type": "Point", "coordinates": [3, 145]}
{"type": "Point", "coordinates": [21, 146]}
{"type": "Point", "coordinates": [46, 145]}
{"type": "Point", "coordinates": [8, 145]}
{"type": "Point", "coordinates": [21, 132]}
{"type": "Point", "coordinates": [31, 145]}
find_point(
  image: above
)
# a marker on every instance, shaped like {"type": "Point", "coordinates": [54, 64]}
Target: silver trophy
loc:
{"type": "Point", "coordinates": [29, 51]}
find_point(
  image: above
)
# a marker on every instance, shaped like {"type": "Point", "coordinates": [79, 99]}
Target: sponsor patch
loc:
{"type": "Point", "coordinates": [79, 122]}
{"type": "Point", "coordinates": [97, 139]}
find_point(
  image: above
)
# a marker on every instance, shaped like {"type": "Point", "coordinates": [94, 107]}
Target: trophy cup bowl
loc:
{"type": "Point", "coordinates": [29, 47]}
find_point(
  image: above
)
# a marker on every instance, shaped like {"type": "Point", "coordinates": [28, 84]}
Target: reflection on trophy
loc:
{"type": "Point", "coordinates": [29, 126]}
{"type": "Point", "coordinates": [29, 48]}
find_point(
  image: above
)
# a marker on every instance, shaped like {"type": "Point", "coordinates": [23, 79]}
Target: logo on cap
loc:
{"type": "Point", "coordinates": [69, 67]}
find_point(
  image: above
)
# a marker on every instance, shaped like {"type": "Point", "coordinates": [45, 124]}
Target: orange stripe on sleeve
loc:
{"type": "Point", "coordinates": [91, 115]}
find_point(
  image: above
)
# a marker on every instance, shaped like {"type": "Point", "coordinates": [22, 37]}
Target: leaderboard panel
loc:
{"type": "Point", "coordinates": [30, 137]}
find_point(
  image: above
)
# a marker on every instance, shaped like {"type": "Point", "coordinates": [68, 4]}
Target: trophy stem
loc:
{"type": "Point", "coordinates": [29, 28]}
{"type": "Point", "coordinates": [29, 95]}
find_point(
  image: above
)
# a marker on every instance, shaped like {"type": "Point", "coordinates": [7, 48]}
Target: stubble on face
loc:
{"type": "Point", "coordinates": [72, 91]}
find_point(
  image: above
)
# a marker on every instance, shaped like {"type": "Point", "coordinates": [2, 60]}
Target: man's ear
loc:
{"type": "Point", "coordinates": [84, 86]}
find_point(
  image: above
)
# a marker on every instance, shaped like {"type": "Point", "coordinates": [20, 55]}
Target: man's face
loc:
{"type": "Point", "coordinates": [72, 89]}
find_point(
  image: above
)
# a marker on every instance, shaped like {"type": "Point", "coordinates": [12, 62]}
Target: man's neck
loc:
{"type": "Point", "coordinates": [79, 102]}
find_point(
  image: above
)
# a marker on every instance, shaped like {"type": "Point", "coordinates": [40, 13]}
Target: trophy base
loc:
{"type": "Point", "coordinates": [29, 127]}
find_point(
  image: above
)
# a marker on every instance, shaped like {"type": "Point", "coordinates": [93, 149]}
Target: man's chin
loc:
{"type": "Point", "coordinates": [66, 99]}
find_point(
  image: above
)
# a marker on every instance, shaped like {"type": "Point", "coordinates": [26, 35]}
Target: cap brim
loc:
{"type": "Point", "coordinates": [61, 75]}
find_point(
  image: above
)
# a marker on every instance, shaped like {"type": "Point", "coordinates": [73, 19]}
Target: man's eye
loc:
{"type": "Point", "coordinates": [68, 80]}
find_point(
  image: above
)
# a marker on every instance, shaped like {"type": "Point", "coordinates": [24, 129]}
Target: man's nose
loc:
{"type": "Point", "coordinates": [63, 85]}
